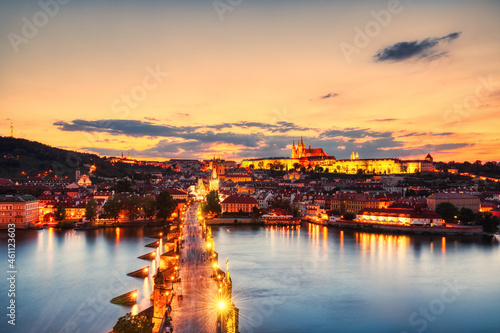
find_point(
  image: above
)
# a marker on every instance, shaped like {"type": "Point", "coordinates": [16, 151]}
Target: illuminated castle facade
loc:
{"type": "Point", "coordinates": [310, 158]}
{"type": "Point", "coordinates": [301, 151]}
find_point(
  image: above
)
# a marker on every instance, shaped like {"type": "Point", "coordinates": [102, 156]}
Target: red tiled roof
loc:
{"type": "Point", "coordinates": [240, 200]}
{"type": "Point", "coordinates": [6, 182]}
{"type": "Point", "coordinates": [174, 191]}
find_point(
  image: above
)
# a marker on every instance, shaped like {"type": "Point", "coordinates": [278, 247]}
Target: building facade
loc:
{"type": "Point", "coordinates": [312, 157]}
{"type": "Point", "coordinates": [400, 216]}
{"type": "Point", "coordinates": [22, 210]}
{"type": "Point", "coordinates": [352, 202]}
{"type": "Point", "coordinates": [459, 200]}
{"type": "Point", "coordinates": [235, 204]}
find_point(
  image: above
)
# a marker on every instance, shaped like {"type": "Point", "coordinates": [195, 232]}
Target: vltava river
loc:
{"type": "Point", "coordinates": [319, 279]}
{"type": "Point", "coordinates": [308, 279]}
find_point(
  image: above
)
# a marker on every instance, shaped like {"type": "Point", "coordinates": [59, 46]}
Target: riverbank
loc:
{"type": "Point", "coordinates": [234, 221]}
{"type": "Point", "coordinates": [449, 229]}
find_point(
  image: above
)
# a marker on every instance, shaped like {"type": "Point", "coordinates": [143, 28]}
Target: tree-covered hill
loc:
{"type": "Point", "coordinates": [20, 157]}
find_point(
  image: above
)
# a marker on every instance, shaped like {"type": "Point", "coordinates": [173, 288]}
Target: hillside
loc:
{"type": "Point", "coordinates": [33, 158]}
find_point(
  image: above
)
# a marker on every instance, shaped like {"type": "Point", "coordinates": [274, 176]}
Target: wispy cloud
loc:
{"type": "Point", "coordinates": [385, 120]}
{"type": "Point", "coordinates": [329, 95]}
{"type": "Point", "coordinates": [424, 49]}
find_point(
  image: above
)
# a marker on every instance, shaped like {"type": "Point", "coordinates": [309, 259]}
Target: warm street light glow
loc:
{"type": "Point", "coordinates": [134, 294]}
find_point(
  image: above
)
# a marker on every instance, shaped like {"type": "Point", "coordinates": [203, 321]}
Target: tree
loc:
{"type": "Point", "coordinates": [296, 166]}
{"type": "Point", "coordinates": [60, 213]}
{"type": "Point", "coordinates": [349, 216]}
{"type": "Point", "coordinates": [149, 206]}
{"type": "Point", "coordinates": [91, 210]}
{"type": "Point", "coordinates": [212, 205]}
{"type": "Point", "coordinates": [132, 204]}
{"type": "Point", "coordinates": [488, 221]}
{"type": "Point", "coordinates": [123, 185]}
{"type": "Point", "coordinates": [260, 165]}
{"type": "Point", "coordinates": [466, 215]}
{"type": "Point", "coordinates": [447, 210]}
{"type": "Point", "coordinates": [133, 324]}
{"type": "Point", "coordinates": [113, 206]}
{"type": "Point", "coordinates": [255, 212]}
{"type": "Point", "coordinates": [165, 205]}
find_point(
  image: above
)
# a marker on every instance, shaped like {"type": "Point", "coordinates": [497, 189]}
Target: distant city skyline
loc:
{"type": "Point", "coordinates": [243, 79]}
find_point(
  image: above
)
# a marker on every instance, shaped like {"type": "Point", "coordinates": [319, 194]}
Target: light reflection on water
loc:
{"type": "Point", "coordinates": [330, 280]}
{"type": "Point", "coordinates": [66, 278]}
{"type": "Point", "coordinates": [287, 279]}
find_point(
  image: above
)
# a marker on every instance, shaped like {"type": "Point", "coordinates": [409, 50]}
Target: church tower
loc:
{"type": "Point", "coordinates": [214, 180]}
{"type": "Point", "coordinates": [11, 130]}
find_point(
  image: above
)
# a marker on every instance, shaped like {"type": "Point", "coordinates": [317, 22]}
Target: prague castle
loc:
{"type": "Point", "coordinates": [301, 151]}
{"type": "Point", "coordinates": [312, 157]}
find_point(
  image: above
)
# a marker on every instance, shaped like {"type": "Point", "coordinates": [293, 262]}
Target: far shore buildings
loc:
{"type": "Point", "coordinates": [22, 210]}
{"type": "Point", "coordinates": [459, 200]}
{"type": "Point", "coordinates": [401, 216]}
{"type": "Point", "coordinates": [311, 157]}
{"type": "Point", "coordinates": [235, 204]}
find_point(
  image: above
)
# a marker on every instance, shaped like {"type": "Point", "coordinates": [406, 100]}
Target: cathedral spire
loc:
{"type": "Point", "coordinates": [301, 143]}
{"type": "Point", "coordinates": [11, 130]}
{"type": "Point", "coordinates": [309, 144]}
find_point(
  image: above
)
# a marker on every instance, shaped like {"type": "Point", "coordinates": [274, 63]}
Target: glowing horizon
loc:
{"type": "Point", "coordinates": [168, 80]}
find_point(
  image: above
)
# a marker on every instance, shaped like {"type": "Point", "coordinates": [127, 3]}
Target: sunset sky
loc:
{"type": "Point", "coordinates": [243, 78]}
